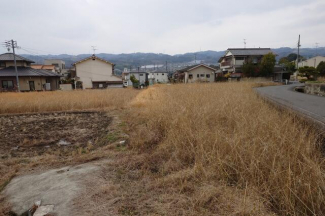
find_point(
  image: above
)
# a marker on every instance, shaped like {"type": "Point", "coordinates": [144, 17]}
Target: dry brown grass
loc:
{"type": "Point", "coordinates": [203, 149]}
{"type": "Point", "coordinates": [197, 137]}
{"type": "Point", "coordinates": [65, 101]}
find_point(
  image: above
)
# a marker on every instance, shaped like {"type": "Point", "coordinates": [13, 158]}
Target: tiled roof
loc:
{"type": "Point", "coordinates": [44, 67]}
{"type": "Point", "coordinates": [158, 71]}
{"type": "Point", "coordinates": [10, 57]}
{"type": "Point", "coordinates": [249, 51]}
{"type": "Point", "coordinates": [188, 68]}
{"type": "Point", "coordinates": [27, 72]}
{"type": "Point", "coordinates": [93, 57]}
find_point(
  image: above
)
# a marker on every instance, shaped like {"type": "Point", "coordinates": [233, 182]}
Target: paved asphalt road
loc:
{"type": "Point", "coordinates": [310, 105]}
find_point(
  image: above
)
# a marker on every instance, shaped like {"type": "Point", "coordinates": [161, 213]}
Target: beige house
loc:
{"type": "Point", "coordinates": [198, 73]}
{"type": "Point", "coordinates": [29, 79]}
{"type": "Point", "coordinates": [95, 72]}
{"type": "Point", "coordinates": [312, 62]}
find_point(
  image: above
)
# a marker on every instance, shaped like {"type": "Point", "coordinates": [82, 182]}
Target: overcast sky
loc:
{"type": "Point", "coordinates": [159, 26]}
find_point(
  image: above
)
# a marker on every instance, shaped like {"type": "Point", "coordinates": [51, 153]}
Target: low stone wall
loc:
{"type": "Point", "coordinates": [66, 87]}
{"type": "Point", "coordinates": [315, 88]}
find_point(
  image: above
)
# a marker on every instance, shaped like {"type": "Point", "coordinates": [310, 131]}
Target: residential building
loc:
{"type": "Point", "coordinates": [58, 63]}
{"type": "Point", "coordinates": [95, 73]}
{"type": "Point", "coordinates": [234, 58]}
{"type": "Point", "coordinates": [142, 76]}
{"type": "Point", "coordinates": [7, 60]}
{"type": "Point", "coordinates": [197, 73]}
{"type": "Point", "coordinates": [29, 79]}
{"type": "Point", "coordinates": [158, 77]}
{"type": "Point", "coordinates": [312, 62]}
{"type": "Point", "coordinates": [280, 74]}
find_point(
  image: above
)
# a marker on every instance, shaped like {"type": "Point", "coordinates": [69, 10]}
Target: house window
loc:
{"type": "Point", "coordinates": [2, 64]}
{"type": "Point", "coordinates": [208, 75]}
{"type": "Point", "coordinates": [190, 76]}
{"type": "Point", "coordinates": [163, 74]}
{"type": "Point", "coordinates": [141, 74]}
{"type": "Point", "coordinates": [202, 75]}
{"type": "Point", "coordinates": [7, 84]}
{"type": "Point", "coordinates": [198, 75]}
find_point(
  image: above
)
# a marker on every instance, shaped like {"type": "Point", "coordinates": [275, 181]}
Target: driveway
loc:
{"type": "Point", "coordinates": [311, 106]}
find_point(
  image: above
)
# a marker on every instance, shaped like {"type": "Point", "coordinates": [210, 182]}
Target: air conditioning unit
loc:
{"type": "Point", "coordinates": [48, 86]}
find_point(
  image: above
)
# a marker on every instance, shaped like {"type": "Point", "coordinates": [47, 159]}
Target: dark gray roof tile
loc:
{"type": "Point", "coordinates": [10, 57]}
{"type": "Point", "coordinates": [249, 51]}
{"type": "Point", "coordinates": [27, 72]}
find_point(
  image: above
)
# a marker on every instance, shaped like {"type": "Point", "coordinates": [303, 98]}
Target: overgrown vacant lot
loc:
{"type": "Point", "coordinates": [65, 101]}
{"type": "Point", "coordinates": [228, 151]}
{"type": "Point", "coordinates": [199, 149]}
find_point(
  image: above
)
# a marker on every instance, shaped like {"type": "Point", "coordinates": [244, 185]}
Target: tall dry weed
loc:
{"type": "Point", "coordinates": [65, 100]}
{"type": "Point", "coordinates": [225, 133]}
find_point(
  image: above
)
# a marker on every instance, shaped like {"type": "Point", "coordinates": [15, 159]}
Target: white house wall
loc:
{"type": "Point", "coordinates": [93, 71]}
{"type": "Point", "coordinates": [142, 79]}
{"type": "Point", "coordinates": [200, 71]}
{"type": "Point", "coordinates": [159, 77]}
{"type": "Point", "coordinates": [312, 62]}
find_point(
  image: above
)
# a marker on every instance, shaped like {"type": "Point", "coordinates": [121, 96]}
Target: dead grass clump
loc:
{"type": "Point", "coordinates": [226, 133]}
{"type": "Point", "coordinates": [65, 100]}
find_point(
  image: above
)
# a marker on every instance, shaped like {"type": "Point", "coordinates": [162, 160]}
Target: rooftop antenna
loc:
{"type": "Point", "coordinates": [94, 49]}
{"type": "Point", "coordinates": [317, 49]}
{"type": "Point", "coordinates": [245, 43]}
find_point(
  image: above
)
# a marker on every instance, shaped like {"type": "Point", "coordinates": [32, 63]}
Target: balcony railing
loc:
{"type": "Point", "coordinates": [223, 64]}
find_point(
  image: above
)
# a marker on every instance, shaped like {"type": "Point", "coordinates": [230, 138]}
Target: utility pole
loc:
{"type": "Point", "coordinates": [317, 48]}
{"type": "Point", "coordinates": [12, 45]}
{"type": "Point", "coordinates": [299, 45]}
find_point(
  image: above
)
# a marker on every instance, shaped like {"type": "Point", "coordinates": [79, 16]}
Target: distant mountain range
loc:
{"type": "Point", "coordinates": [134, 60]}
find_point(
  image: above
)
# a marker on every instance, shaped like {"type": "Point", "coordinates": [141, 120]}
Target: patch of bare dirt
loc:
{"type": "Point", "coordinates": [35, 134]}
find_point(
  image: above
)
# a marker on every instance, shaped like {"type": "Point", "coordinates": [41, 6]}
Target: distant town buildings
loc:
{"type": "Point", "coordinates": [58, 63]}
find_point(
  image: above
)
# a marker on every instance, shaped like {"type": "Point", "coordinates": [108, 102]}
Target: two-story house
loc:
{"type": "Point", "coordinates": [96, 73]}
{"type": "Point", "coordinates": [234, 58]}
{"type": "Point", "coordinates": [158, 77]}
{"type": "Point", "coordinates": [29, 79]}
{"type": "Point", "coordinates": [142, 76]}
{"type": "Point", "coordinates": [197, 73]}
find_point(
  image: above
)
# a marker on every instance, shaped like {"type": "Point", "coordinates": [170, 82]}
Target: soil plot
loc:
{"type": "Point", "coordinates": [35, 134]}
